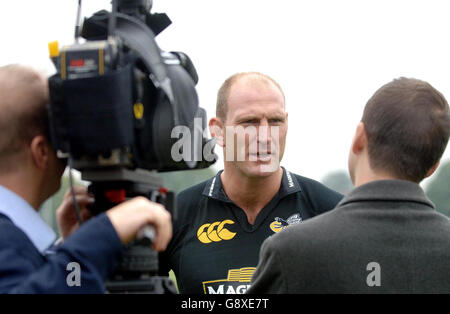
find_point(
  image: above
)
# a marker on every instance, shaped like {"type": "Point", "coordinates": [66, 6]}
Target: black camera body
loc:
{"type": "Point", "coordinates": [116, 98]}
{"type": "Point", "coordinates": [114, 103]}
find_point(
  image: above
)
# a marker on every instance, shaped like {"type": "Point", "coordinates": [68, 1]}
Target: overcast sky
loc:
{"type": "Point", "coordinates": [328, 56]}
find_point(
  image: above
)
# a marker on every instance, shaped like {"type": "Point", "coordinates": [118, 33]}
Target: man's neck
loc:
{"type": "Point", "coordinates": [251, 194]}
{"type": "Point", "coordinates": [23, 188]}
{"type": "Point", "coordinates": [368, 175]}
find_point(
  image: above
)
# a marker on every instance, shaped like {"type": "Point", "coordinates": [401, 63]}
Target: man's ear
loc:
{"type": "Point", "coordinates": [360, 139]}
{"type": "Point", "coordinates": [40, 151]}
{"type": "Point", "coordinates": [216, 128]}
{"type": "Point", "coordinates": [432, 169]}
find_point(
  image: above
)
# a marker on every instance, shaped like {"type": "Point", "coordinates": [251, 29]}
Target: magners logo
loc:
{"type": "Point", "coordinates": [237, 282]}
{"type": "Point", "coordinates": [215, 232]}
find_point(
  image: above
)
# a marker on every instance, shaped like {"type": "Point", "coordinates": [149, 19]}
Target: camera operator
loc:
{"type": "Point", "coordinates": [30, 172]}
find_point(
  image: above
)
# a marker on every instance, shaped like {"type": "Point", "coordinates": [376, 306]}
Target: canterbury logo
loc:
{"type": "Point", "coordinates": [215, 232]}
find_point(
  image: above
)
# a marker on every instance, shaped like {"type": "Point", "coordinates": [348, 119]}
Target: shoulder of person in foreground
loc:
{"type": "Point", "coordinates": [270, 274]}
{"type": "Point", "coordinates": [320, 197]}
{"type": "Point", "coordinates": [79, 265]}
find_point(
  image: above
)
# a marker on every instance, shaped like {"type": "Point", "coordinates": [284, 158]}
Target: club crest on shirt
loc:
{"type": "Point", "coordinates": [279, 223]}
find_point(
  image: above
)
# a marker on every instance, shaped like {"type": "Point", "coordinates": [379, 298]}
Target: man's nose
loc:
{"type": "Point", "coordinates": [263, 122]}
{"type": "Point", "coordinates": [264, 132]}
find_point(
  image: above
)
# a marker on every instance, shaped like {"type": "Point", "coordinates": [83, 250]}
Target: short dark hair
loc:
{"type": "Point", "coordinates": [23, 113]}
{"type": "Point", "coordinates": [407, 123]}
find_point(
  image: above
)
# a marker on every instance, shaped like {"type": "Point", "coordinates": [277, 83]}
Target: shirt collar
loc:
{"type": "Point", "coordinates": [26, 218]}
{"type": "Point", "coordinates": [387, 190]}
{"type": "Point", "coordinates": [214, 188]}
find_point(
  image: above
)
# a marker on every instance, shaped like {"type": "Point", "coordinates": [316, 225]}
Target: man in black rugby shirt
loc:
{"type": "Point", "coordinates": [223, 221]}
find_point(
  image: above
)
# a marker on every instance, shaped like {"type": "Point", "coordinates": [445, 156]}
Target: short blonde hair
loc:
{"type": "Point", "coordinates": [224, 91]}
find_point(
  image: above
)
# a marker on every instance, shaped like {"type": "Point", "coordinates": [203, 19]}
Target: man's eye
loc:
{"type": "Point", "coordinates": [274, 121]}
{"type": "Point", "coordinates": [252, 121]}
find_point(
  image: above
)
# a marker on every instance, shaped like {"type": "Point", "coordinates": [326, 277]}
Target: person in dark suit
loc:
{"type": "Point", "coordinates": [385, 236]}
{"type": "Point", "coordinates": [30, 172]}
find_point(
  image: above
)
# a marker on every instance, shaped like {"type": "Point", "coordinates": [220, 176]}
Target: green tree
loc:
{"type": "Point", "coordinates": [438, 190]}
{"type": "Point", "coordinates": [338, 180]}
